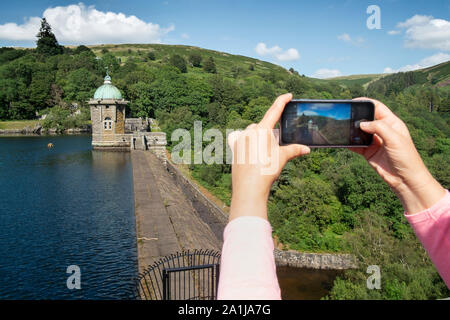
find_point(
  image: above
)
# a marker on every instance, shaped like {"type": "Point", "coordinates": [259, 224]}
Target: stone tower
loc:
{"type": "Point", "coordinates": [108, 118]}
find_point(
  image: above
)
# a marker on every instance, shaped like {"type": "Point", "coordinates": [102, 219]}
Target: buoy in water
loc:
{"type": "Point", "coordinates": [50, 145]}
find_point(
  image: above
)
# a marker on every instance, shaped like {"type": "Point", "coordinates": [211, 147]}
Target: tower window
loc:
{"type": "Point", "coordinates": [107, 124]}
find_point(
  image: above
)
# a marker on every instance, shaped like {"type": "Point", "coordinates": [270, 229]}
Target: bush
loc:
{"type": "Point", "coordinates": [210, 66]}
{"type": "Point", "coordinates": [195, 59]}
{"type": "Point", "coordinates": [178, 62]}
{"type": "Point", "coordinates": [151, 56]}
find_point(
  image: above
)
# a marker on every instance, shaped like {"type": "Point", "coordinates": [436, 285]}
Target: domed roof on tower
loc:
{"type": "Point", "coordinates": [107, 91]}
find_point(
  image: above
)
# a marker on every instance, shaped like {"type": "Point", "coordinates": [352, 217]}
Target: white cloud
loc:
{"type": "Point", "coordinates": [393, 32]}
{"type": "Point", "coordinates": [327, 73]}
{"type": "Point", "coordinates": [347, 38]}
{"type": "Point", "coordinates": [276, 52]}
{"type": "Point", "coordinates": [426, 32]}
{"type": "Point", "coordinates": [185, 36]}
{"type": "Point", "coordinates": [262, 50]}
{"type": "Point", "coordinates": [289, 55]}
{"type": "Point", "coordinates": [78, 24]}
{"type": "Point", "coordinates": [424, 63]}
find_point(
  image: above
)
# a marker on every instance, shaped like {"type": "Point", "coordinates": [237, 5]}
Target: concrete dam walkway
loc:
{"type": "Point", "coordinates": [166, 220]}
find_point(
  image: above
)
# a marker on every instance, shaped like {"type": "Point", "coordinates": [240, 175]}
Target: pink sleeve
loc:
{"type": "Point", "coordinates": [432, 227]}
{"type": "Point", "coordinates": [247, 269]}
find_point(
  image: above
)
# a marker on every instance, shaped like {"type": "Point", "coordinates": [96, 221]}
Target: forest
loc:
{"type": "Point", "coordinates": [328, 201]}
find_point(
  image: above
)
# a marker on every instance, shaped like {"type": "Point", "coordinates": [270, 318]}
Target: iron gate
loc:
{"type": "Point", "coordinates": [187, 275]}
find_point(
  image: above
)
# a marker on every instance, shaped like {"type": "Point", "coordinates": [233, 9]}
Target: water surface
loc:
{"type": "Point", "coordinates": [305, 284]}
{"type": "Point", "coordinates": [65, 206]}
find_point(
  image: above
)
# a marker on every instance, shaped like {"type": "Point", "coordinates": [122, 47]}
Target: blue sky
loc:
{"type": "Point", "coordinates": [338, 112]}
{"type": "Point", "coordinates": [318, 38]}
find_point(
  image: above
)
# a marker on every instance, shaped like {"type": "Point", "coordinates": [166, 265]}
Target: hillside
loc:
{"type": "Point", "coordinates": [227, 64]}
{"type": "Point", "coordinates": [359, 79]}
{"type": "Point", "coordinates": [432, 78]}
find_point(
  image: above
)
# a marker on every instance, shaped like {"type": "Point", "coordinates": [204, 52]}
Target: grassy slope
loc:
{"type": "Point", "coordinates": [437, 76]}
{"type": "Point", "coordinates": [361, 79]}
{"type": "Point", "coordinates": [19, 124]}
{"type": "Point", "coordinates": [224, 61]}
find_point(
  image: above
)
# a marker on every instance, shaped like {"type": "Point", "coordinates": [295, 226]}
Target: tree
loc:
{"type": "Point", "coordinates": [195, 59]}
{"type": "Point", "coordinates": [210, 66]}
{"type": "Point", "coordinates": [178, 62]}
{"type": "Point", "coordinates": [110, 61]}
{"type": "Point", "coordinates": [81, 49]}
{"type": "Point", "coordinates": [47, 43]}
{"type": "Point", "coordinates": [151, 56]}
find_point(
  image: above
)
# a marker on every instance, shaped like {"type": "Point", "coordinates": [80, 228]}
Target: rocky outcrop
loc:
{"type": "Point", "coordinates": [38, 130]}
{"type": "Point", "coordinates": [26, 131]}
{"type": "Point", "coordinates": [330, 261]}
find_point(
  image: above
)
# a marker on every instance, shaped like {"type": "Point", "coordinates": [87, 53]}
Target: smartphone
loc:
{"type": "Point", "coordinates": [326, 123]}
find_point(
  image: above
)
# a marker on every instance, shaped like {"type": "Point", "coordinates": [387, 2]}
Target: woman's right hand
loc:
{"type": "Point", "coordinates": [395, 158]}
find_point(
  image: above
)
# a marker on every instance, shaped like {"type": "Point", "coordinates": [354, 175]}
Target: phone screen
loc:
{"type": "Point", "coordinates": [326, 123]}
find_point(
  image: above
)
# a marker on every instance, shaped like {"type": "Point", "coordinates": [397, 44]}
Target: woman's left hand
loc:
{"type": "Point", "coordinates": [257, 162]}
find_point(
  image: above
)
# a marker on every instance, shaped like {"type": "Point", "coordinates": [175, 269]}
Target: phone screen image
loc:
{"type": "Point", "coordinates": [326, 123]}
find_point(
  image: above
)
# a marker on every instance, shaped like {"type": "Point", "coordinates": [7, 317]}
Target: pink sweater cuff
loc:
{"type": "Point", "coordinates": [432, 227]}
{"type": "Point", "coordinates": [248, 268]}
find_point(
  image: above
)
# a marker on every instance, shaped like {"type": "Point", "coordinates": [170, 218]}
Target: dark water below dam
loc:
{"type": "Point", "coordinates": [305, 284]}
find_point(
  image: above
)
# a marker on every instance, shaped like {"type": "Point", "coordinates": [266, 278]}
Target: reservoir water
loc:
{"type": "Point", "coordinates": [68, 205]}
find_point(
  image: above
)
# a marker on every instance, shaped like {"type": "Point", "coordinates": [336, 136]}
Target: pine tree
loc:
{"type": "Point", "coordinates": [47, 43]}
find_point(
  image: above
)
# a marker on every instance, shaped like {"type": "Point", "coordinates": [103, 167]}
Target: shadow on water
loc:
{"type": "Point", "coordinates": [305, 284]}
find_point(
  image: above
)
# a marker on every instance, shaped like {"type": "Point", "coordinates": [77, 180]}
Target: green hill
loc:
{"type": "Point", "coordinates": [359, 79]}
{"type": "Point", "coordinates": [227, 64]}
{"type": "Point", "coordinates": [434, 77]}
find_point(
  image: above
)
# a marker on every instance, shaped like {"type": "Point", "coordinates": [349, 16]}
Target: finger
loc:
{"type": "Point", "coordinates": [293, 151]}
{"type": "Point", "coordinates": [380, 128]}
{"type": "Point", "coordinates": [250, 126]}
{"type": "Point", "coordinates": [274, 113]}
{"type": "Point", "coordinates": [232, 138]}
{"type": "Point", "coordinates": [381, 111]}
{"type": "Point", "coordinates": [370, 150]}
{"type": "Point", "coordinates": [358, 150]}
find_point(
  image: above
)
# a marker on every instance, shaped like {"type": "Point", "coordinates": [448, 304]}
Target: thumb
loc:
{"type": "Point", "coordinates": [381, 128]}
{"type": "Point", "coordinates": [293, 151]}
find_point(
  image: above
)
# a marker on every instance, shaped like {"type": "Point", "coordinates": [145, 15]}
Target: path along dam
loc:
{"type": "Point", "coordinates": [166, 219]}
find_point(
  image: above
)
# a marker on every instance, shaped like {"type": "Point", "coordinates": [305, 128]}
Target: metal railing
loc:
{"type": "Point", "coordinates": [187, 275]}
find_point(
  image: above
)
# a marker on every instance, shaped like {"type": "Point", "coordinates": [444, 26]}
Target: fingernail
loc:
{"type": "Point", "coordinates": [363, 124]}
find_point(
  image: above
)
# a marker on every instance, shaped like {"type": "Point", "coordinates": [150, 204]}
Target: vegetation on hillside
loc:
{"type": "Point", "coordinates": [328, 201]}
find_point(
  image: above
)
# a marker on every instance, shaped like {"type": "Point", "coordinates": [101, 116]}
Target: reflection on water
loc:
{"type": "Point", "coordinates": [305, 284]}
{"type": "Point", "coordinates": [63, 206]}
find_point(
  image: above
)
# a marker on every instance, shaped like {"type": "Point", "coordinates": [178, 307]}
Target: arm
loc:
{"type": "Point", "coordinates": [432, 227]}
{"type": "Point", "coordinates": [426, 203]}
{"type": "Point", "coordinates": [247, 265]}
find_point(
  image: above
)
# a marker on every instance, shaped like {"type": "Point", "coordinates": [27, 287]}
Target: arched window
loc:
{"type": "Point", "coordinates": [107, 124]}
